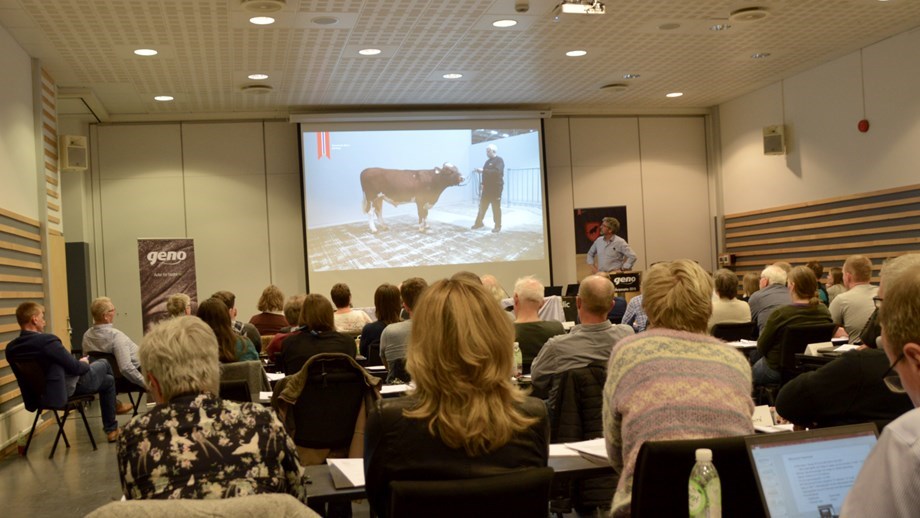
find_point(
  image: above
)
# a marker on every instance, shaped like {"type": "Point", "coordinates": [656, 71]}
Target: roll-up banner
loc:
{"type": "Point", "coordinates": [167, 267]}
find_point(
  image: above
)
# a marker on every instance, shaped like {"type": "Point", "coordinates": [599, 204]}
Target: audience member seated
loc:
{"type": "Point", "coordinates": [816, 267]}
{"type": "Point", "coordinates": [529, 331]}
{"type": "Point", "coordinates": [64, 374]}
{"type": "Point", "coordinates": [241, 328]}
{"type": "Point", "coordinates": [179, 305]}
{"type": "Point", "coordinates": [494, 287]}
{"type": "Point", "coordinates": [634, 315]}
{"type": "Point", "coordinates": [887, 484]}
{"type": "Point", "coordinates": [386, 307]}
{"type": "Point", "coordinates": [270, 320]}
{"type": "Point", "coordinates": [674, 381]}
{"type": "Point", "coordinates": [395, 338]}
{"type": "Point", "coordinates": [292, 309]}
{"type": "Point", "coordinates": [586, 343]}
{"type": "Point", "coordinates": [318, 335]}
{"type": "Point", "coordinates": [852, 309]}
{"type": "Point", "coordinates": [771, 295]}
{"type": "Point", "coordinates": [104, 338]}
{"type": "Point", "coordinates": [194, 445]}
{"type": "Point", "coordinates": [726, 308]}
{"type": "Point", "coordinates": [805, 310]}
{"type": "Point", "coordinates": [750, 284]}
{"type": "Point", "coordinates": [464, 418]}
{"type": "Point", "coordinates": [232, 347]}
{"type": "Point", "coordinates": [834, 284]}
{"type": "Point", "coordinates": [347, 320]}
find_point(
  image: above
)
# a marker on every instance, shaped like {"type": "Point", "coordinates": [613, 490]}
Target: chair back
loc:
{"type": "Point", "coordinates": [549, 291]}
{"type": "Point", "coordinates": [113, 362]}
{"type": "Point", "coordinates": [663, 468]}
{"type": "Point", "coordinates": [30, 374]}
{"type": "Point", "coordinates": [733, 332]}
{"type": "Point", "coordinates": [571, 290]}
{"type": "Point", "coordinates": [235, 390]}
{"type": "Point", "coordinates": [522, 493]}
{"type": "Point", "coordinates": [250, 372]}
{"type": "Point", "coordinates": [795, 340]}
{"type": "Point", "coordinates": [327, 409]}
{"type": "Point", "coordinates": [373, 354]}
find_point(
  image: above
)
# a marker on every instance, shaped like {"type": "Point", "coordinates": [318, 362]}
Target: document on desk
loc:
{"type": "Point", "coordinates": [265, 396]}
{"type": "Point", "coordinates": [594, 450]}
{"type": "Point", "coordinates": [776, 428]}
{"type": "Point", "coordinates": [375, 368]}
{"type": "Point", "coordinates": [394, 389]}
{"type": "Point", "coordinates": [274, 376]}
{"type": "Point", "coordinates": [743, 344]}
{"type": "Point", "coordinates": [346, 473]}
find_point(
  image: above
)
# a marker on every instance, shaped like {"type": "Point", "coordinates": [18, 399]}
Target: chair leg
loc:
{"type": "Point", "coordinates": [60, 423]}
{"type": "Point", "coordinates": [38, 414]}
{"type": "Point", "coordinates": [86, 424]}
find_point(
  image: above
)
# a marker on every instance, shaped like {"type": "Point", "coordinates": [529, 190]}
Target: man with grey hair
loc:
{"type": "Point", "coordinates": [194, 444]}
{"type": "Point", "coordinates": [887, 484]}
{"type": "Point", "coordinates": [490, 189]}
{"type": "Point", "coordinates": [531, 332]}
{"type": "Point", "coordinates": [104, 338]}
{"type": "Point", "coordinates": [611, 251]}
{"type": "Point", "coordinates": [589, 342]}
{"type": "Point", "coordinates": [771, 295]}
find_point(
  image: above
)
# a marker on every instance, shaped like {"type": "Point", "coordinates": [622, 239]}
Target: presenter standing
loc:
{"type": "Point", "coordinates": [612, 251]}
{"type": "Point", "coordinates": [493, 181]}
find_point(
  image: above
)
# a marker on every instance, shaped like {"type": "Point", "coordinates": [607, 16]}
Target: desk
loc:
{"type": "Point", "coordinates": [321, 491]}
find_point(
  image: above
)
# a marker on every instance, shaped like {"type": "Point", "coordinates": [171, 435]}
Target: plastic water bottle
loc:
{"type": "Point", "coordinates": [518, 361]}
{"type": "Point", "coordinates": [705, 487]}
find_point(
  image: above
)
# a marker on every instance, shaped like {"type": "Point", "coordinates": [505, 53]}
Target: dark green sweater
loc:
{"type": "Point", "coordinates": [768, 344]}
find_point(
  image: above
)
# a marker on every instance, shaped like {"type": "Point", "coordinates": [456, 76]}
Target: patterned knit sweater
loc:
{"type": "Point", "coordinates": [671, 385]}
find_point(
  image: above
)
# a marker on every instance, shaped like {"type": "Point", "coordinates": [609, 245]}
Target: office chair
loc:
{"type": "Point", "coordinates": [794, 341]}
{"type": "Point", "coordinates": [522, 493]}
{"type": "Point", "coordinates": [122, 384]}
{"type": "Point", "coordinates": [235, 390]}
{"type": "Point", "coordinates": [733, 332]}
{"type": "Point", "coordinates": [663, 469]}
{"type": "Point", "coordinates": [31, 374]}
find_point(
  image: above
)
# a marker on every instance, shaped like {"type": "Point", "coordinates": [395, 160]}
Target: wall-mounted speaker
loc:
{"type": "Point", "coordinates": [774, 142]}
{"type": "Point", "coordinates": [73, 153]}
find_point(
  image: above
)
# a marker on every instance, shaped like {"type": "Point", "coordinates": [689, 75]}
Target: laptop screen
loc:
{"type": "Point", "coordinates": [809, 473]}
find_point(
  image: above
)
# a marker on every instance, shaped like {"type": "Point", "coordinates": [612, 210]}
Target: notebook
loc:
{"type": "Point", "coordinates": [809, 473]}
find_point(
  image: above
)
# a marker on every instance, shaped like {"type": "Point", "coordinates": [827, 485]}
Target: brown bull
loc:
{"type": "Point", "coordinates": [398, 186]}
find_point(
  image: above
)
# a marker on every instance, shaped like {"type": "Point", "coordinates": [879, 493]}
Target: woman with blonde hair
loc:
{"type": "Point", "coordinates": [465, 418]}
{"type": "Point", "coordinates": [673, 381]}
{"type": "Point", "coordinates": [271, 318]}
{"type": "Point", "coordinates": [805, 310]}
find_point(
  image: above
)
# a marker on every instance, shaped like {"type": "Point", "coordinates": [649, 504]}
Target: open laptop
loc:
{"type": "Point", "coordinates": [809, 473]}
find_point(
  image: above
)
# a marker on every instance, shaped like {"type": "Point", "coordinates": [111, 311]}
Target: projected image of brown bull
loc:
{"type": "Point", "coordinates": [398, 186]}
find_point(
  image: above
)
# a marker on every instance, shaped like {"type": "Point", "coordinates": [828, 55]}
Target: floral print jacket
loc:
{"type": "Point", "coordinates": [199, 446]}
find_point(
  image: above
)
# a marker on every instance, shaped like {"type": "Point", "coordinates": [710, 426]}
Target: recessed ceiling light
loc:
{"type": "Point", "coordinates": [630, 76]}
{"type": "Point", "coordinates": [576, 53]}
{"type": "Point", "coordinates": [501, 24]}
{"type": "Point", "coordinates": [668, 26]}
{"type": "Point", "coordinates": [452, 76]}
{"type": "Point", "coordinates": [258, 77]}
{"type": "Point", "coordinates": [720, 27]}
{"type": "Point", "coordinates": [760, 55]}
{"type": "Point", "coordinates": [369, 52]}
{"type": "Point", "coordinates": [674, 94]}
{"type": "Point", "coordinates": [261, 20]}
{"type": "Point", "coordinates": [324, 20]}
{"type": "Point", "coordinates": [146, 52]}
{"type": "Point", "coordinates": [163, 98]}
{"type": "Point", "coordinates": [615, 87]}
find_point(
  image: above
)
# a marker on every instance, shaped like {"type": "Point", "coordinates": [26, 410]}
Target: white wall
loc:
{"type": "Point", "coordinates": [233, 187]}
{"type": "Point", "coordinates": [827, 155]}
{"type": "Point", "coordinates": [18, 169]}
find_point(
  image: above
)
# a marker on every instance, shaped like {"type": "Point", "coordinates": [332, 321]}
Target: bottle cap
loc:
{"type": "Point", "coordinates": [704, 455]}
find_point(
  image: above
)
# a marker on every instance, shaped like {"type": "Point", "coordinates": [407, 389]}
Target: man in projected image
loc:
{"type": "Point", "coordinates": [490, 189]}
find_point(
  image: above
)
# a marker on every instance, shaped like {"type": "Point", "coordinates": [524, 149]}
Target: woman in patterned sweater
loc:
{"type": "Point", "coordinates": [673, 381]}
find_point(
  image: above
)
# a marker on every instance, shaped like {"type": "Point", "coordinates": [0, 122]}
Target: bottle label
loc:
{"type": "Point", "coordinates": [697, 498]}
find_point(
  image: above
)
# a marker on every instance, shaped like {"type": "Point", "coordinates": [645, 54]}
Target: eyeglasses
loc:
{"type": "Point", "coordinates": [892, 379]}
{"type": "Point", "coordinates": [877, 301]}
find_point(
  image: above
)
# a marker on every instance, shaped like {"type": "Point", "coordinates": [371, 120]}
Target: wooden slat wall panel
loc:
{"type": "Point", "coordinates": [879, 224]}
{"type": "Point", "coordinates": [21, 279]}
{"type": "Point", "coordinates": [50, 146]}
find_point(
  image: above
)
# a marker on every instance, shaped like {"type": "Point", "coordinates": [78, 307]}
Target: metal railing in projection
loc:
{"type": "Point", "coordinates": [522, 187]}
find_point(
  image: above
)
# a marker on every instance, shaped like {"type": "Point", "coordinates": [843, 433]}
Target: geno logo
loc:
{"type": "Point", "coordinates": [623, 280]}
{"type": "Point", "coordinates": [172, 257]}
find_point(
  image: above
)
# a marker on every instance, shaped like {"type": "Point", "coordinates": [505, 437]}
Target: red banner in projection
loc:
{"type": "Point", "coordinates": [323, 145]}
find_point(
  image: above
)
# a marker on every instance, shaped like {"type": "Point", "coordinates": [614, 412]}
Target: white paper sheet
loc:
{"type": "Point", "coordinates": [346, 472]}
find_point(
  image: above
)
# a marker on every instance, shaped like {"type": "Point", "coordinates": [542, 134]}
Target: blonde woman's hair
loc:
{"type": "Point", "coordinates": [271, 300]}
{"type": "Point", "coordinates": [177, 303]}
{"type": "Point", "coordinates": [459, 356]}
{"type": "Point", "coordinates": [99, 307]}
{"type": "Point", "coordinates": [181, 353]}
{"type": "Point", "coordinates": [901, 304]}
{"type": "Point", "coordinates": [677, 295]}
